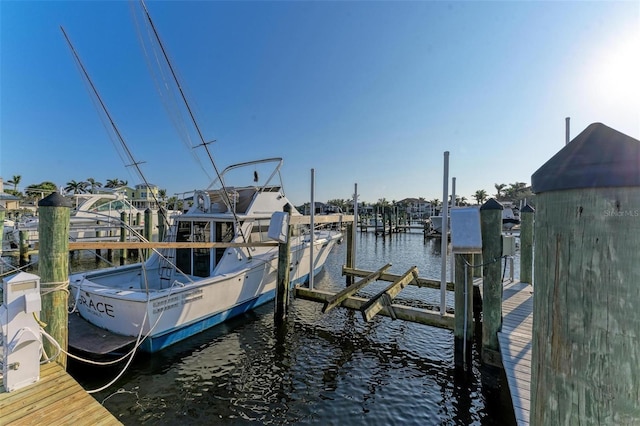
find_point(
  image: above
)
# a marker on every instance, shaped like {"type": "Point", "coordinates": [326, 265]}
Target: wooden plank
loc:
{"type": "Point", "coordinates": [406, 313]}
{"type": "Point", "coordinates": [117, 245]}
{"type": "Point", "coordinates": [319, 219]}
{"type": "Point", "coordinates": [515, 346]}
{"type": "Point", "coordinates": [420, 282]}
{"type": "Point", "coordinates": [57, 399]}
{"type": "Point", "coordinates": [376, 303]}
{"type": "Point", "coordinates": [337, 298]}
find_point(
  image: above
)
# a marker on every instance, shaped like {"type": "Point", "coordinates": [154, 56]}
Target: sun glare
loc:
{"type": "Point", "coordinates": [617, 73]}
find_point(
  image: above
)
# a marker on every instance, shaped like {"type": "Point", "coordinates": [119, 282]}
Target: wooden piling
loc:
{"type": "Point", "coordinates": [477, 260]}
{"type": "Point", "coordinates": [491, 226]}
{"type": "Point", "coordinates": [148, 228]}
{"type": "Point", "coordinates": [350, 251]}
{"type": "Point", "coordinates": [98, 235]}
{"type": "Point", "coordinates": [2, 213]}
{"type": "Point", "coordinates": [123, 235]}
{"type": "Point", "coordinates": [53, 267]}
{"type": "Point", "coordinates": [463, 304]}
{"type": "Point", "coordinates": [586, 321]}
{"type": "Point", "coordinates": [24, 247]}
{"type": "Point", "coordinates": [162, 222]}
{"type": "Point", "coordinates": [282, 286]}
{"type": "Point", "coordinates": [526, 244]}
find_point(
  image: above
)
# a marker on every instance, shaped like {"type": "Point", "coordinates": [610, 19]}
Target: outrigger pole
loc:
{"type": "Point", "coordinates": [85, 74]}
{"type": "Point", "coordinates": [203, 143]}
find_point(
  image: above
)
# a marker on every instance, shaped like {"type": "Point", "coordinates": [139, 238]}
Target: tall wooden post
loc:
{"type": "Point", "coordinates": [477, 260]}
{"type": "Point", "coordinates": [148, 228]}
{"type": "Point", "coordinates": [162, 221]}
{"type": "Point", "coordinates": [53, 267]}
{"type": "Point", "coordinates": [24, 247]}
{"type": "Point", "coordinates": [526, 244]}
{"type": "Point", "coordinates": [98, 235]}
{"type": "Point", "coordinates": [123, 235]}
{"type": "Point", "coordinates": [586, 316]}
{"type": "Point", "coordinates": [2, 213]}
{"type": "Point", "coordinates": [491, 225]}
{"type": "Point", "coordinates": [282, 286]}
{"type": "Point", "coordinates": [463, 303]}
{"type": "Point", "coordinates": [350, 250]}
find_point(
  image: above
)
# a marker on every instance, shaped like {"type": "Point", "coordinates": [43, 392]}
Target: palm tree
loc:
{"type": "Point", "coordinates": [15, 181]}
{"type": "Point", "coordinates": [480, 196]}
{"type": "Point", "coordinates": [162, 194]}
{"type": "Point", "coordinates": [76, 187]}
{"type": "Point", "coordinates": [499, 187]}
{"type": "Point", "coordinates": [93, 184]}
{"type": "Point", "coordinates": [112, 183]}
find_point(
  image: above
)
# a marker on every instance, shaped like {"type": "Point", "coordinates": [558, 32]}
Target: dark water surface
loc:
{"type": "Point", "coordinates": [325, 369]}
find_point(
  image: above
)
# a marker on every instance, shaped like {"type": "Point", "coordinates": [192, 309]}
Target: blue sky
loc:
{"type": "Point", "coordinates": [363, 92]}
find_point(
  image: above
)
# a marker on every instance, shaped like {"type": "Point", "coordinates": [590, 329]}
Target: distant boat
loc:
{"type": "Point", "coordinates": [7, 236]}
{"type": "Point", "coordinates": [179, 292]}
{"type": "Point", "coordinates": [99, 212]}
{"type": "Point", "coordinates": [510, 217]}
{"type": "Point", "coordinates": [436, 224]}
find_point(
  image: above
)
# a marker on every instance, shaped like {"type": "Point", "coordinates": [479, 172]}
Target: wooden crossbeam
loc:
{"type": "Point", "coordinates": [406, 313]}
{"type": "Point", "coordinates": [328, 218]}
{"type": "Point", "coordinates": [336, 299]}
{"type": "Point", "coordinates": [384, 298]}
{"type": "Point", "coordinates": [420, 282]}
{"type": "Point", "coordinates": [116, 245]}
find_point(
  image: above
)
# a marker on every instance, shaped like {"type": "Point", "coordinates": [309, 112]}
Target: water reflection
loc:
{"type": "Point", "coordinates": [316, 368]}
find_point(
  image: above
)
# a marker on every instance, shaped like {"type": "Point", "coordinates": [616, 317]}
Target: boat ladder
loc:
{"type": "Point", "coordinates": [167, 258]}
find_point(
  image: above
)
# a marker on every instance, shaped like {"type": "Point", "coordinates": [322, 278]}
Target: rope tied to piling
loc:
{"type": "Point", "coordinates": [46, 288]}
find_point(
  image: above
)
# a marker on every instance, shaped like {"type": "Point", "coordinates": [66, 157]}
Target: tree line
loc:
{"type": "Point", "coordinates": [514, 192]}
{"type": "Point", "coordinates": [90, 186]}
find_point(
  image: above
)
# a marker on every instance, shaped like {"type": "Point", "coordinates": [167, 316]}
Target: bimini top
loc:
{"type": "Point", "coordinates": [598, 157]}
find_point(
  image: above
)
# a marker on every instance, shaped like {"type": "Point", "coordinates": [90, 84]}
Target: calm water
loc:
{"type": "Point", "coordinates": [319, 369]}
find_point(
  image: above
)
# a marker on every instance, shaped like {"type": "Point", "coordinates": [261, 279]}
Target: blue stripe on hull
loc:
{"type": "Point", "coordinates": [157, 343]}
{"type": "Point", "coordinates": [160, 342]}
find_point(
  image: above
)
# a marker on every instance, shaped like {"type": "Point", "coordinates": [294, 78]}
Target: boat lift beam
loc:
{"type": "Point", "coordinates": [386, 296]}
{"type": "Point", "coordinates": [338, 298]}
{"type": "Point", "coordinates": [405, 313]}
{"type": "Point", "coordinates": [419, 282]}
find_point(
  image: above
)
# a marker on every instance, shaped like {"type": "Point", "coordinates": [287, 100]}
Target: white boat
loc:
{"type": "Point", "coordinates": [93, 217]}
{"type": "Point", "coordinates": [436, 224]}
{"type": "Point", "coordinates": [7, 236]}
{"type": "Point", "coordinates": [510, 217]}
{"type": "Point", "coordinates": [179, 292]}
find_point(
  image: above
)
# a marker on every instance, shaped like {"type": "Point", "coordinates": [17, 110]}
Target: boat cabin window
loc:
{"type": "Point", "coordinates": [259, 231]}
{"type": "Point", "coordinates": [194, 261]}
{"type": "Point", "coordinates": [224, 234]}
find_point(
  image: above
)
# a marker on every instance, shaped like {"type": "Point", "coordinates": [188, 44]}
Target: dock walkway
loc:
{"type": "Point", "coordinates": [515, 345]}
{"type": "Point", "coordinates": [57, 399]}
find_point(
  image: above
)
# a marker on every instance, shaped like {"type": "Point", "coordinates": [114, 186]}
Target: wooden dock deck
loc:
{"type": "Point", "coordinates": [57, 399]}
{"type": "Point", "coordinates": [515, 346]}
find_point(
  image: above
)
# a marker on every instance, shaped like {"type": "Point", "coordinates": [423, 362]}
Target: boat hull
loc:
{"type": "Point", "coordinates": [165, 317]}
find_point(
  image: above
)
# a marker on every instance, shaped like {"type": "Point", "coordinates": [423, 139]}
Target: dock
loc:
{"type": "Point", "coordinates": [57, 399]}
{"type": "Point", "coordinates": [515, 346]}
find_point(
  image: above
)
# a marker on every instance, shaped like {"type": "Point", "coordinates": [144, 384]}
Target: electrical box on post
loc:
{"type": "Point", "coordinates": [21, 340]}
{"type": "Point", "coordinates": [466, 237]}
{"type": "Point", "coordinates": [508, 245]}
{"type": "Point", "coordinates": [279, 227]}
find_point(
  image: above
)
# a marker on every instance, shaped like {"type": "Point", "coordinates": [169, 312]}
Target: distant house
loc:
{"type": "Point", "coordinates": [419, 208]}
{"type": "Point", "coordinates": [143, 196]}
{"type": "Point", "coordinates": [8, 201]}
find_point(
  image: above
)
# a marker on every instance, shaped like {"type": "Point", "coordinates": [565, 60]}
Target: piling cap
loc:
{"type": "Point", "coordinates": [54, 200]}
{"type": "Point", "coordinates": [492, 204]}
{"type": "Point", "coordinates": [598, 157]}
{"type": "Point", "coordinates": [527, 209]}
